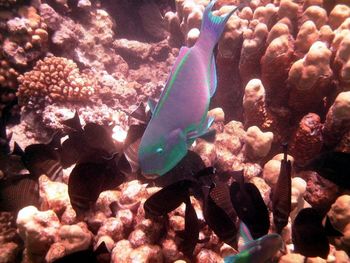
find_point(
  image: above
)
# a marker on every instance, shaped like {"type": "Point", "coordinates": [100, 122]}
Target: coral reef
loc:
{"type": "Point", "coordinates": [283, 75]}
{"type": "Point", "coordinates": [307, 141]}
{"type": "Point", "coordinates": [25, 37]}
{"type": "Point", "coordinates": [54, 79]}
{"type": "Point", "coordinates": [310, 80]}
{"type": "Point", "coordinates": [337, 120]}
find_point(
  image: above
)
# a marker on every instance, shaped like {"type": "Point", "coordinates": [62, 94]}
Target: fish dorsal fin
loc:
{"type": "Point", "coordinates": [245, 235]}
{"type": "Point", "coordinates": [213, 81]}
{"type": "Point", "coordinates": [183, 51]}
{"type": "Point", "coordinates": [17, 150]}
{"type": "Point", "coordinates": [152, 104]}
{"type": "Point", "coordinates": [74, 123]}
{"type": "Point", "coordinates": [182, 54]}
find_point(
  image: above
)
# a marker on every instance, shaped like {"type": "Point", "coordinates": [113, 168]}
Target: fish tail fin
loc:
{"type": "Point", "coordinates": [213, 26]}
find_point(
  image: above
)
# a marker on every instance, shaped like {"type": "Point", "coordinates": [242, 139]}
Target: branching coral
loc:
{"type": "Point", "coordinates": [26, 37]}
{"type": "Point", "coordinates": [54, 79]}
{"type": "Point", "coordinates": [8, 84]}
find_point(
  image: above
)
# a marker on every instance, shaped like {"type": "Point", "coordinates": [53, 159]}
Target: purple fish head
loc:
{"type": "Point", "coordinates": [158, 156]}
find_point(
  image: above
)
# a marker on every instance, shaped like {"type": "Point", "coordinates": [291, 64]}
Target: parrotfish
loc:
{"type": "Point", "coordinates": [256, 251]}
{"type": "Point", "coordinates": [180, 116]}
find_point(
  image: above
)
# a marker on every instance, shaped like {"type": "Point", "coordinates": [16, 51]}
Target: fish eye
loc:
{"type": "Point", "coordinates": [159, 150]}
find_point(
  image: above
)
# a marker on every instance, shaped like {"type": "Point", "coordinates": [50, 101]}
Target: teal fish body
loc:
{"type": "Point", "coordinates": [180, 115]}
{"type": "Point", "coordinates": [256, 251]}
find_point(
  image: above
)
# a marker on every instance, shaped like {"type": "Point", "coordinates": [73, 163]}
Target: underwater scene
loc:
{"type": "Point", "coordinates": [206, 131]}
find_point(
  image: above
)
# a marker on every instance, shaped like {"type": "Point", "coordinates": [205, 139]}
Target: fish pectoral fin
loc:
{"type": "Point", "coordinates": [205, 134]}
{"type": "Point", "coordinates": [152, 104]}
{"type": "Point", "coordinates": [208, 135]}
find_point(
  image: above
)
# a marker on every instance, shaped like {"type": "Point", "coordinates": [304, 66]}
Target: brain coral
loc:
{"type": "Point", "coordinates": [54, 79]}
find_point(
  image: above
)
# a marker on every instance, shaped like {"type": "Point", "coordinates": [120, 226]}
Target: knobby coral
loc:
{"type": "Point", "coordinates": [54, 79]}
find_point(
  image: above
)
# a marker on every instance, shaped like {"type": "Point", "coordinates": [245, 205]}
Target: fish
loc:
{"type": "Point", "coordinates": [282, 194]}
{"type": "Point", "coordinates": [218, 211]}
{"type": "Point", "coordinates": [333, 166]}
{"type": "Point", "coordinates": [186, 169]}
{"type": "Point", "coordinates": [168, 199]}
{"type": "Point", "coordinates": [180, 116]}
{"type": "Point", "coordinates": [90, 176]}
{"type": "Point", "coordinates": [219, 219]}
{"type": "Point", "coordinates": [19, 191]}
{"type": "Point", "coordinates": [42, 158]}
{"type": "Point", "coordinates": [250, 206]}
{"type": "Point", "coordinates": [190, 235]}
{"type": "Point", "coordinates": [84, 141]}
{"type": "Point", "coordinates": [86, 256]}
{"type": "Point", "coordinates": [130, 147]}
{"type": "Point", "coordinates": [308, 234]}
{"type": "Point", "coordinates": [256, 251]}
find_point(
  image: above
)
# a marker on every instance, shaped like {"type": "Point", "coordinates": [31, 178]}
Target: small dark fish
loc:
{"type": "Point", "coordinates": [189, 236]}
{"type": "Point", "coordinates": [250, 206]}
{"type": "Point", "coordinates": [217, 207]}
{"type": "Point", "coordinates": [86, 256]}
{"type": "Point", "coordinates": [4, 138]}
{"type": "Point", "coordinates": [140, 114]}
{"type": "Point", "coordinates": [85, 141]}
{"type": "Point", "coordinates": [103, 254]}
{"type": "Point", "coordinates": [100, 137]}
{"type": "Point", "coordinates": [308, 235]}
{"type": "Point", "coordinates": [186, 169]}
{"type": "Point", "coordinates": [167, 199]}
{"type": "Point", "coordinates": [329, 228]}
{"type": "Point", "coordinates": [333, 166]}
{"type": "Point", "coordinates": [217, 218]}
{"type": "Point", "coordinates": [92, 175]}
{"type": "Point", "coordinates": [282, 194]}
{"type": "Point", "coordinates": [42, 159]}
{"type": "Point", "coordinates": [17, 192]}
{"type": "Point", "coordinates": [74, 123]}
{"type": "Point", "coordinates": [130, 147]}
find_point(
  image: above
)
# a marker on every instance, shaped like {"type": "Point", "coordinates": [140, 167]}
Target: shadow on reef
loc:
{"type": "Point", "coordinates": [135, 18]}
